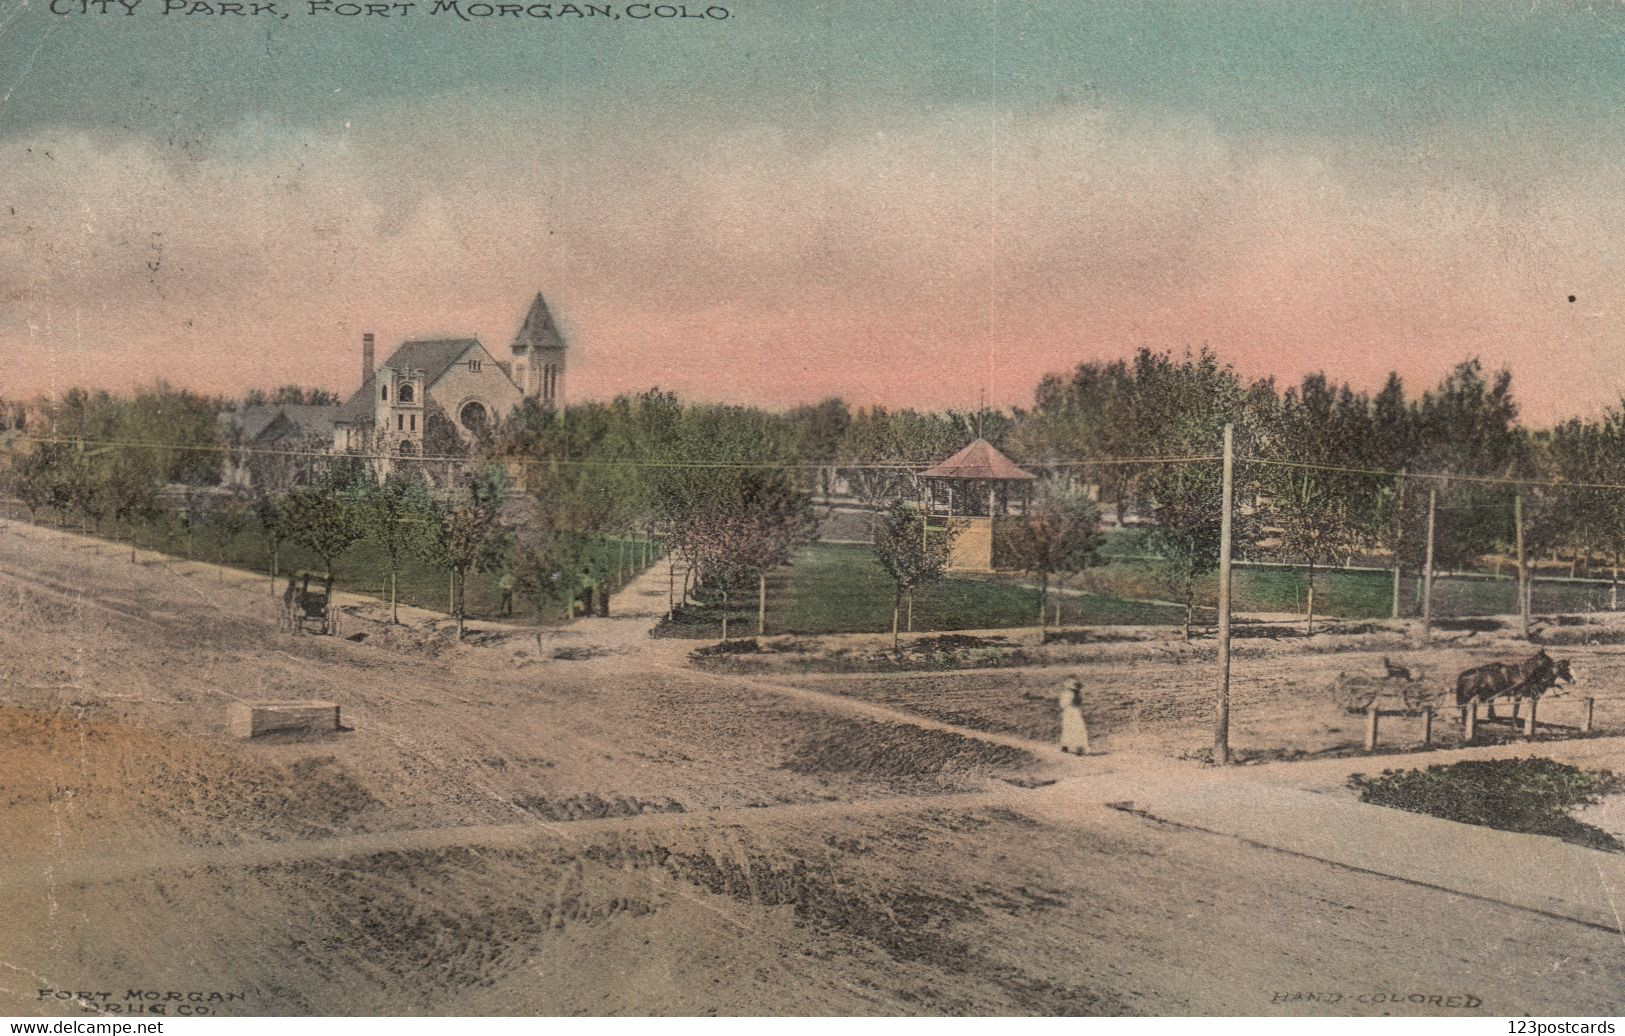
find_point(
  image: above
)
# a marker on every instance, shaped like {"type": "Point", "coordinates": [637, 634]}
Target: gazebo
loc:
{"type": "Point", "coordinates": [974, 489]}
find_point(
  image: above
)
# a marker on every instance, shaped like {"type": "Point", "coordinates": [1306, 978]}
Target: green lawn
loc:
{"type": "Point", "coordinates": [840, 588]}
{"type": "Point", "coordinates": [364, 568]}
{"type": "Point", "coordinates": [1354, 594]}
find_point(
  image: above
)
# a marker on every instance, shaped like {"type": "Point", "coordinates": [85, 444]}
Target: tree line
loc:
{"type": "Point", "coordinates": [1328, 474]}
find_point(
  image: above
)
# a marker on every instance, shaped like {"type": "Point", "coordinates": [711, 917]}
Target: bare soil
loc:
{"type": "Point", "coordinates": [1158, 697]}
{"type": "Point", "coordinates": [502, 830]}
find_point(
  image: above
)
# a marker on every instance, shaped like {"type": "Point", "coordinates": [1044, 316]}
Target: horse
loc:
{"type": "Point", "coordinates": [1517, 678]}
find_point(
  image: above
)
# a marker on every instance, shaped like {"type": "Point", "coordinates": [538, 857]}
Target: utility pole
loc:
{"type": "Point", "coordinates": [1523, 568]}
{"type": "Point", "coordinates": [1221, 728]}
{"type": "Point", "coordinates": [1399, 532]}
{"type": "Point", "coordinates": [1427, 572]}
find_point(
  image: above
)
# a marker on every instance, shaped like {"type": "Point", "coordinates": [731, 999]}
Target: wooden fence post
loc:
{"type": "Point", "coordinates": [1427, 570]}
{"type": "Point", "coordinates": [1371, 728]}
{"type": "Point", "coordinates": [1221, 725]}
{"type": "Point", "coordinates": [1523, 565]}
{"type": "Point", "coordinates": [1427, 726]}
{"type": "Point", "coordinates": [1529, 720]}
{"type": "Point", "coordinates": [1469, 722]}
{"type": "Point", "coordinates": [1586, 716]}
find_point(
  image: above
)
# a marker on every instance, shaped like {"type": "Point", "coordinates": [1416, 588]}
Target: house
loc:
{"type": "Point", "coordinates": [269, 444]}
{"type": "Point", "coordinates": [454, 383]}
{"type": "Point", "coordinates": [279, 424]}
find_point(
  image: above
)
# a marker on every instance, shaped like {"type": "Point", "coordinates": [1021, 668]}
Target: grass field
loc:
{"type": "Point", "coordinates": [364, 568]}
{"type": "Point", "coordinates": [1352, 594]}
{"type": "Point", "coordinates": [840, 588]}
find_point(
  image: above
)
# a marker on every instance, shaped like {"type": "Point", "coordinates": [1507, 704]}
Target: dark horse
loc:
{"type": "Point", "coordinates": [1515, 678]}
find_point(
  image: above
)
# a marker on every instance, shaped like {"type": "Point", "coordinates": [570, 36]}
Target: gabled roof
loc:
{"type": "Point", "coordinates": [538, 331]}
{"type": "Point", "coordinates": [979, 461]}
{"type": "Point", "coordinates": [304, 419]}
{"type": "Point", "coordinates": [253, 422]}
{"type": "Point", "coordinates": [358, 408]}
{"type": "Point", "coordinates": [432, 356]}
{"type": "Point", "coordinates": [250, 421]}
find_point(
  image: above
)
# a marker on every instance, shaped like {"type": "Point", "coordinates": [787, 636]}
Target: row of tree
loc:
{"type": "Point", "coordinates": [1331, 473]}
{"type": "Point", "coordinates": [1328, 473]}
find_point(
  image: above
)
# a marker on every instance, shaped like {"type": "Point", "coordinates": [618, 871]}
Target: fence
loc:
{"type": "Point", "coordinates": [1524, 713]}
{"type": "Point", "coordinates": [362, 569]}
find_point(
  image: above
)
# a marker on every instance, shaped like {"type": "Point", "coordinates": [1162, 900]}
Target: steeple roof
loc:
{"type": "Point", "coordinates": [538, 331]}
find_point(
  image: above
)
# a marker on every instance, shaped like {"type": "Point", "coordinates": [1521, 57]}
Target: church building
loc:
{"type": "Point", "coordinates": [457, 379]}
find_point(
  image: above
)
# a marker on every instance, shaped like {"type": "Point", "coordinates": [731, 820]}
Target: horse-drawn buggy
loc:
{"type": "Point", "coordinates": [1518, 684]}
{"type": "Point", "coordinates": [301, 604]}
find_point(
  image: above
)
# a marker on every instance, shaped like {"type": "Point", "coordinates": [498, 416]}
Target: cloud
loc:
{"type": "Point", "coordinates": [894, 259]}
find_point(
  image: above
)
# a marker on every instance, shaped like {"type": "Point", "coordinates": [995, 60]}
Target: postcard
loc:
{"type": "Point", "coordinates": [828, 508]}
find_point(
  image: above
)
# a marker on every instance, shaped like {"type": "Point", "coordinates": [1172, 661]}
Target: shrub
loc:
{"type": "Point", "coordinates": [1529, 796]}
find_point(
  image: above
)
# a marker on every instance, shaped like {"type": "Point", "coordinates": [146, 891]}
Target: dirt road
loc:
{"type": "Point", "coordinates": [505, 830]}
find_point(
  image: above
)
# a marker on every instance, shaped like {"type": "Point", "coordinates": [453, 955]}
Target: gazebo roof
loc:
{"type": "Point", "coordinates": [979, 462]}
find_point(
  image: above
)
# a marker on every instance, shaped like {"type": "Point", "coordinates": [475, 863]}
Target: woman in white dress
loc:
{"type": "Point", "coordinates": [1074, 734]}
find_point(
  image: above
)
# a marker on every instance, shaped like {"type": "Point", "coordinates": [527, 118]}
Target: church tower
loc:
{"type": "Point", "coordinates": [538, 356]}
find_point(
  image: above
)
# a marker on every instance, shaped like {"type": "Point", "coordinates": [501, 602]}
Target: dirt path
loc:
{"type": "Point", "coordinates": [57, 871]}
{"type": "Point", "coordinates": [854, 707]}
{"type": "Point", "coordinates": [507, 831]}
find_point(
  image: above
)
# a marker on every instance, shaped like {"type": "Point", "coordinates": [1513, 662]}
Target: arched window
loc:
{"type": "Point", "coordinates": [474, 417]}
{"type": "Point", "coordinates": [406, 393]}
{"type": "Point", "coordinates": [385, 396]}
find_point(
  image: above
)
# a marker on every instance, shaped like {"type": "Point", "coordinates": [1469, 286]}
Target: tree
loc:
{"type": "Point", "coordinates": [297, 395]}
{"type": "Point", "coordinates": [911, 554]}
{"type": "Point", "coordinates": [396, 514]}
{"type": "Point", "coordinates": [79, 490]}
{"type": "Point", "coordinates": [1058, 535]}
{"type": "Point", "coordinates": [465, 536]}
{"type": "Point", "coordinates": [1321, 509]}
{"type": "Point", "coordinates": [231, 517]}
{"type": "Point", "coordinates": [1184, 535]}
{"type": "Point", "coordinates": [820, 428]}
{"type": "Point", "coordinates": [1464, 427]}
{"type": "Point", "coordinates": [1087, 415]}
{"type": "Point", "coordinates": [39, 480]}
{"type": "Point", "coordinates": [326, 519]}
{"type": "Point", "coordinates": [882, 452]}
{"type": "Point", "coordinates": [724, 485]}
{"type": "Point", "coordinates": [274, 522]}
{"type": "Point", "coordinates": [1180, 408]}
{"type": "Point", "coordinates": [1594, 452]}
{"type": "Point", "coordinates": [180, 432]}
{"type": "Point", "coordinates": [1390, 445]}
{"type": "Point", "coordinates": [440, 435]}
{"type": "Point", "coordinates": [749, 530]}
{"type": "Point", "coordinates": [542, 573]}
{"type": "Point", "coordinates": [131, 496]}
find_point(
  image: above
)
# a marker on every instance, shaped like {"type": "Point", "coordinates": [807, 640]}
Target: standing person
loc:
{"type": "Point", "coordinates": [589, 590]}
{"type": "Point", "coordinates": [1074, 733]}
{"type": "Point", "coordinates": [505, 584]}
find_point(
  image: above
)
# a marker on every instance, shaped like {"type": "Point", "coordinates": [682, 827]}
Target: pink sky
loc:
{"type": "Point", "coordinates": [973, 250]}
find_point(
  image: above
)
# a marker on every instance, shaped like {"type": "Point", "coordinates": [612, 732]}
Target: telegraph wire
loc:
{"type": "Point", "coordinates": [232, 451]}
